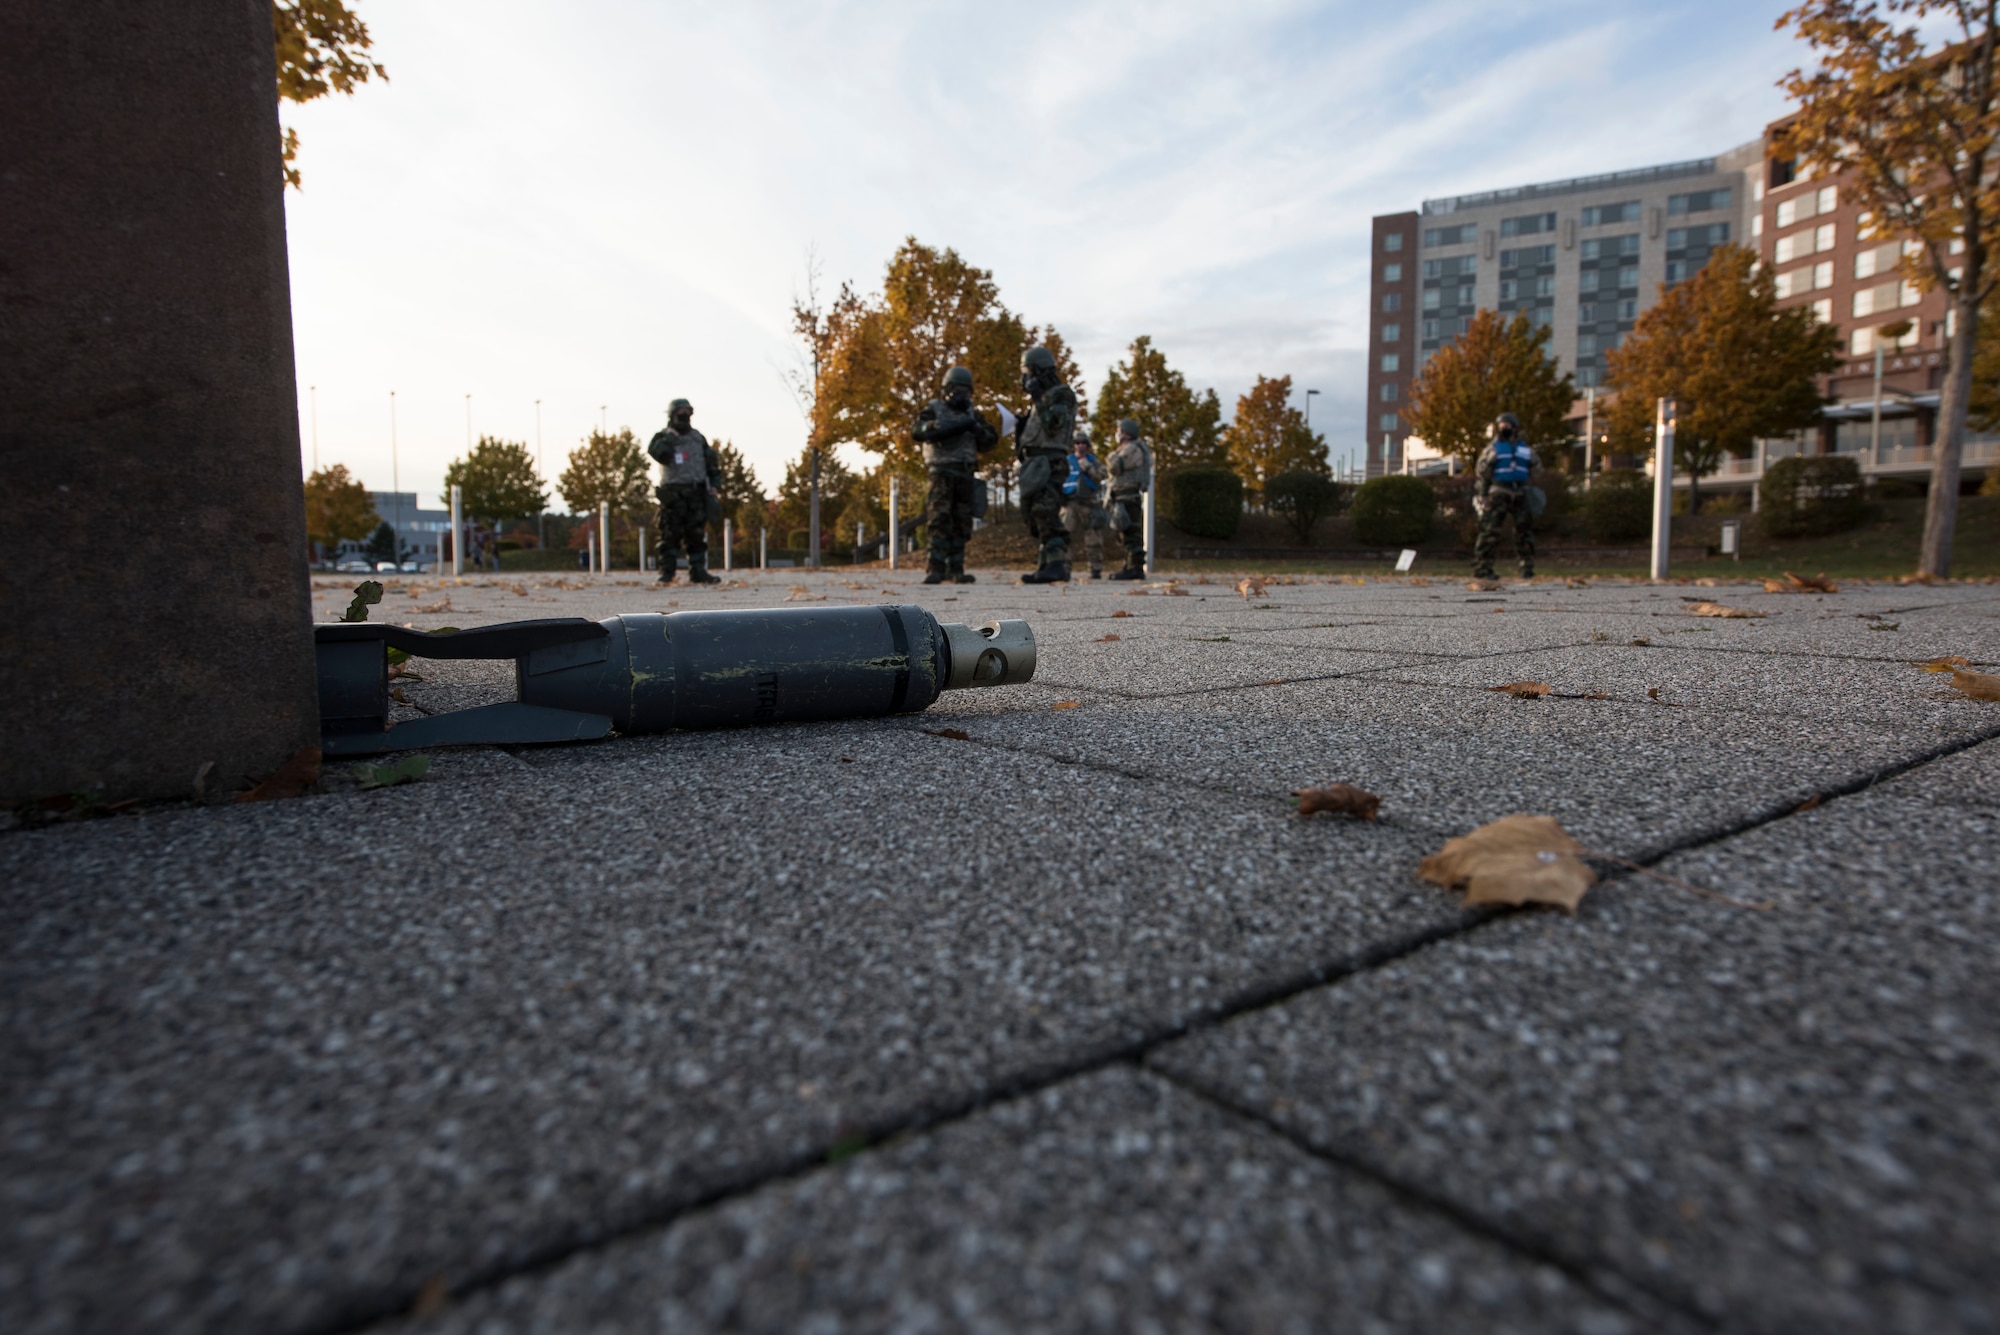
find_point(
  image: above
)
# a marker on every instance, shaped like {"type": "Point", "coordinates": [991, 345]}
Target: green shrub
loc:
{"type": "Point", "coordinates": [1555, 486]}
{"type": "Point", "coordinates": [1811, 494]}
{"type": "Point", "coordinates": [1394, 511]}
{"type": "Point", "coordinates": [1454, 519]}
{"type": "Point", "coordinates": [1619, 506]}
{"type": "Point", "coordinates": [1206, 501]}
{"type": "Point", "coordinates": [1302, 499]}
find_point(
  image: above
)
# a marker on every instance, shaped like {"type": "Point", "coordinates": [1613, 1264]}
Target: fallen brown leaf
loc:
{"type": "Point", "coordinates": [1799, 584]}
{"type": "Point", "coordinates": [1978, 685]}
{"type": "Point", "coordinates": [1135, 593]}
{"type": "Point", "coordinates": [1121, 613]}
{"type": "Point", "coordinates": [1718, 610]}
{"type": "Point", "coordinates": [1105, 639]}
{"type": "Point", "coordinates": [519, 590]}
{"type": "Point", "coordinates": [1484, 585]}
{"type": "Point", "coordinates": [1176, 591]}
{"type": "Point", "coordinates": [1641, 643]}
{"type": "Point", "coordinates": [1275, 681]}
{"type": "Point", "coordinates": [1951, 664]}
{"type": "Point", "coordinates": [955, 734]}
{"type": "Point", "coordinates": [432, 1298]}
{"type": "Point", "coordinates": [443, 605]}
{"type": "Point", "coordinates": [1808, 804]}
{"type": "Point", "coordinates": [1066, 704]}
{"type": "Point", "coordinates": [292, 778]}
{"type": "Point", "coordinates": [1523, 690]}
{"type": "Point", "coordinates": [1250, 588]}
{"type": "Point", "coordinates": [1342, 799]}
{"type": "Point", "coordinates": [1653, 693]}
{"type": "Point", "coordinates": [1513, 860]}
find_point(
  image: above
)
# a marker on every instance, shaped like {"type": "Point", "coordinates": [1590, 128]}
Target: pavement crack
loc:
{"type": "Point", "coordinates": [1659, 1311]}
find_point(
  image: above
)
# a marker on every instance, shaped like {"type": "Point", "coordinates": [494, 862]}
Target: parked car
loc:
{"type": "Point", "coordinates": [389, 566]}
{"type": "Point", "coordinates": [354, 568]}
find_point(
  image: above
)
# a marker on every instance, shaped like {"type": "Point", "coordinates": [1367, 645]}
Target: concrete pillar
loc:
{"type": "Point", "coordinates": [155, 613]}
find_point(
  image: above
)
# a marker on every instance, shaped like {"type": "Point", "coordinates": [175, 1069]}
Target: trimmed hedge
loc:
{"type": "Point", "coordinates": [1302, 499]}
{"type": "Point", "coordinates": [1394, 511]}
{"type": "Point", "coordinates": [1812, 494]}
{"type": "Point", "coordinates": [1206, 501]}
{"type": "Point", "coordinates": [1619, 506]}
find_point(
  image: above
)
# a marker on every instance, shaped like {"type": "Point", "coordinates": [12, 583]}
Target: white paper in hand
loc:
{"type": "Point", "coordinates": [1007, 421]}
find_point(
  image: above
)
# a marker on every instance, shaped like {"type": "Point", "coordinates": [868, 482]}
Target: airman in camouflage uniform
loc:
{"type": "Point", "coordinates": [1083, 501]}
{"type": "Point", "coordinates": [1131, 471]}
{"type": "Point", "coordinates": [1041, 443]}
{"type": "Point", "coordinates": [1500, 490]}
{"type": "Point", "coordinates": [691, 479]}
{"type": "Point", "coordinates": [953, 435]}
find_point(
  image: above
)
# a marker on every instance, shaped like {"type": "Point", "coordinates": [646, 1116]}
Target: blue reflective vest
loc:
{"type": "Point", "coordinates": [1079, 482]}
{"type": "Point", "coordinates": [1512, 462]}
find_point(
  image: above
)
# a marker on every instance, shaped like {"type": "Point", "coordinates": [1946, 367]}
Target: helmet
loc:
{"type": "Point", "coordinates": [1038, 358]}
{"type": "Point", "coordinates": [679, 406]}
{"type": "Point", "coordinates": [957, 378]}
{"type": "Point", "coordinates": [1505, 423]}
{"type": "Point", "coordinates": [1129, 427]}
{"type": "Point", "coordinates": [1081, 432]}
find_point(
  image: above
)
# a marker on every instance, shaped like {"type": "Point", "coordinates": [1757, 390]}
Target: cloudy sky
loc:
{"type": "Point", "coordinates": [606, 204]}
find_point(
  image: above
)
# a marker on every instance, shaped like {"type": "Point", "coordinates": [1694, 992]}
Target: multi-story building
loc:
{"type": "Point", "coordinates": [1587, 256]}
{"type": "Point", "coordinates": [1583, 256]}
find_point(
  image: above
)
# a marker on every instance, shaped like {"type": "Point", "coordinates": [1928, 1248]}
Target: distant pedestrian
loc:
{"type": "Point", "coordinates": [1131, 470]}
{"type": "Point", "coordinates": [1083, 501]}
{"type": "Point", "coordinates": [691, 486]}
{"type": "Point", "coordinates": [953, 435]}
{"type": "Point", "coordinates": [1501, 491]}
{"type": "Point", "coordinates": [1041, 444]}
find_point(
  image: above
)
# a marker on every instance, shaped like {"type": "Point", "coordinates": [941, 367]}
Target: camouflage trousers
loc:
{"type": "Point", "coordinates": [1042, 505]}
{"type": "Point", "coordinates": [683, 520]}
{"type": "Point", "coordinates": [1080, 518]}
{"type": "Point", "coordinates": [1128, 516]}
{"type": "Point", "coordinates": [1502, 504]}
{"type": "Point", "coordinates": [948, 515]}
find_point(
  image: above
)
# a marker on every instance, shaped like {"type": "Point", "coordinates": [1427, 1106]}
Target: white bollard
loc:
{"type": "Point", "coordinates": [1663, 485]}
{"type": "Point", "coordinates": [895, 524]}
{"type": "Point", "coordinates": [457, 530]}
{"type": "Point", "coordinates": [763, 540]}
{"type": "Point", "coordinates": [642, 549]}
{"type": "Point", "coordinates": [604, 537]}
{"type": "Point", "coordinates": [1152, 507]}
{"type": "Point", "coordinates": [726, 544]}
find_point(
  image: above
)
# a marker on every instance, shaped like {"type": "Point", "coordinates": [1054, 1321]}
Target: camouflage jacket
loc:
{"type": "Point", "coordinates": [1050, 424]}
{"type": "Point", "coordinates": [1131, 468]}
{"type": "Point", "coordinates": [686, 458]}
{"type": "Point", "coordinates": [950, 436]}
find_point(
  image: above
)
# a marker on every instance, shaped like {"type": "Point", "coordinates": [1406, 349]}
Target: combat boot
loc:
{"type": "Point", "coordinates": [1097, 573]}
{"type": "Point", "coordinates": [667, 575]}
{"type": "Point", "coordinates": [1049, 574]}
{"type": "Point", "coordinates": [936, 575]}
{"type": "Point", "coordinates": [698, 573]}
{"type": "Point", "coordinates": [958, 576]}
{"type": "Point", "coordinates": [1132, 570]}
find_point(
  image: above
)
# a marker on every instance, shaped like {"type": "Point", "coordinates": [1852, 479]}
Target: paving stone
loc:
{"type": "Point", "coordinates": [1112, 1202]}
{"type": "Point", "coordinates": [1779, 1119]}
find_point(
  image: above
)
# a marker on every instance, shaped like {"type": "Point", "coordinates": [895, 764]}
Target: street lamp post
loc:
{"type": "Point", "coordinates": [1309, 406]}
{"type": "Point", "coordinates": [541, 515]}
{"type": "Point", "coordinates": [395, 469]}
{"type": "Point", "coordinates": [314, 389]}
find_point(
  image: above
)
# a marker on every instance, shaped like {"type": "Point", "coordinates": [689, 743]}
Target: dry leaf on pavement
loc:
{"type": "Point", "coordinates": [1950, 664]}
{"type": "Point", "coordinates": [1978, 685]}
{"type": "Point", "coordinates": [1066, 704]}
{"type": "Point", "coordinates": [292, 778]}
{"type": "Point", "coordinates": [1250, 588]}
{"type": "Point", "coordinates": [443, 605]}
{"type": "Point", "coordinates": [955, 734]}
{"type": "Point", "coordinates": [1513, 860]}
{"type": "Point", "coordinates": [1121, 614]}
{"type": "Point", "coordinates": [1799, 584]}
{"type": "Point", "coordinates": [1523, 690]}
{"type": "Point", "coordinates": [1718, 610]}
{"type": "Point", "coordinates": [1342, 799]}
{"type": "Point", "coordinates": [1105, 639]}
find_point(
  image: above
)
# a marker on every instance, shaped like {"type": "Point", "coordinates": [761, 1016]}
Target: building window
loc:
{"type": "Point", "coordinates": [1699, 201]}
{"type": "Point", "coordinates": [1430, 330]}
{"type": "Point", "coordinates": [1783, 171]}
{"type": "Point", "coordinates": [1599, 214]}
{"type": "Point", "coordinates": [1528, 225]}
{"type": "Point", "coordinates": [1588, 376]}
{"type": "Point", "coordinates": [1628, 309]}
{"type": "Point", "coordinates": [1458, 264]}
{"type": "Point", "coordinates": [1391, 332]}
{"type": "Point", "coordinates": [1823, 310]}
{"type": "Point", "coordinates": [1388, 422]}
{"type": "Point", "coordinates": [1392, 301]}
{"type": "Point", "coordinates": [1449, 236]}
{"type": "Point", "coordinates": [1391, 362]}
{"type": "Point", "coordinates": [1526, 256]}
{"type": "Point", "coordinates": [1393, 242]}
{"type": "Point", "coordinates": [1389, 393]}
{"type": "Point", "coordinates": [1586, 345]}
{"type": "Point", "coordinates": [1628, 276]}
{"type": "Point", "coordinates": [1392, 273]}
{"type": "Point", "coordinates": [1542, 316]}
{"type": "Point", "coordinates": [1610, 246]}
{"type": "Point", "coordinates": [1433, 298]}
{"type": "Point", "coordinates": [1823, 274]}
